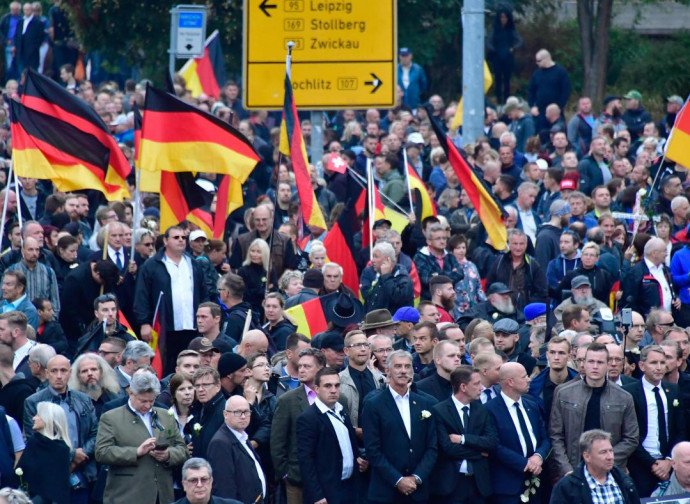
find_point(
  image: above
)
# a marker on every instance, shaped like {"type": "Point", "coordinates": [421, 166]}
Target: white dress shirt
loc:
{"type": "Point", "coordinates": [651, 443]}
{"type": "Point", "coordinates": [486, 398]}
{"type": "Point", "coordinates": [658, 273]}
{"type": "Point", "coordinates": [529, 224]}
{"type": "Point", "coordinates": [342, 433]}
{"type": "Point", "coordinates": [182, 289]}
{"type": "Point", "coordinates": [145, 418]}
{"type": "Point", "coordinates": [458, 406]}
{"type": "Point", "coordinates": [27, 20]}
{"type": "Point", "coordinates": [403, 404]}
{"type": "Point", "coordinates": [513, 415]}
{"type": "Point", "coordinates": [243, 437]}
{"type": "Point", "coordinates": [112, 254]}
{"type": "Point", "coordinates": [20, 353]}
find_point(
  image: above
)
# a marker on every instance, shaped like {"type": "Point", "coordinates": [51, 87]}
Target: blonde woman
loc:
{"type": "Point", "coordinates": [48, 446]}
{"type": "Point", "coordinates": [317, 255]}
{"type": "Point", "coordinates": [254, 272]}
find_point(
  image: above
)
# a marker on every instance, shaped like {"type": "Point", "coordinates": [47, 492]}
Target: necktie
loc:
{"type": "Point", "coordinates": [465, 417]}
{"type": "Point", "coordinates": [661, 415]}
{"type": "Point", "coordinates": [529, 448]}
{"type": "Point", "coordinates": [487, 394]}
{"type": "Point", "coordinates": [118, 260]}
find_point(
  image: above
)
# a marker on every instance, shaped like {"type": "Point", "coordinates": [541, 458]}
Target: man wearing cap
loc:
{"type": "Point", "coordinates": [635, 115]}
{"type": "Point", "coordinates": [312, 283]}
{"type": "Point", "coordinates": [507, 340]}
{"type": "Point", "coordinates": [581, 295]}
{"type": "Point", "coordinates": [498, 305]}
{"type": "Point", "coordinates": [673, 105]}
{"type": "Point", "coordinates": [393, 287]}
{"type": "Point", "coordinates": [521, 124]}
{"type": "Point", "coordinates": [549, 234]}
{"type": "Point", "coordinates": [406, 318]}
{"type": "Point", "coordinates": [411, 78]}
{"type": "Point", "coordinates": [379, 322]}
{"type": "Point", "coordinates": [414, 147]}
{"type": "Point", "coordinates": [611, 114]}
{"type": "Point", "coordinates": [332, 346]}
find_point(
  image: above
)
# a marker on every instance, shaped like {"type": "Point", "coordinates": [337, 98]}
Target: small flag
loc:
{"type": "Point", "coordinates": [428, 205]}
{"type": "Point", "coordinates": [488, 81]}
{"type": "Point", "coordinates": [158, 338]}
{"type": "Point", "coordinates": [206, 74]}
{"type": "Point", "coordinates": [678, 144]}
{"type": "Point", "coordinates": [310, 316]}
{"type": "Point", "coordinates": [336, 163]}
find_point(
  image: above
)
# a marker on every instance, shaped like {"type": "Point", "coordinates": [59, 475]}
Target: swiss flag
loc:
{"type": "Point", "coordinates": [336, 163]}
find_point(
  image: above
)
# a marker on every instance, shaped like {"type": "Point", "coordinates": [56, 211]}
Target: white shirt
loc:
{"type": "Point", "coordinates": [658, 273]}
{"type": "Point", "coordinates": [343, 436]}
{"type": "Point", "coordinates": [27, 20]}
{"type": "Point", "coordinates": [112, 254]}
{"type": "Point", "coordinates": [243, 437]}
{"type": "Point", "coordinates": [403, 404]}
{"type": "Point", "coordinates": [182, 288]}
{"type": "Point", "coordinates": [405, 75]}
{"type": "Point", "coordinates": [145, 418]}
{"type": "Point", "coordinates": [529, 225]}
{"type": "Point", "coordinates": [513, 415]}
{"type": "Point", "coordinates": [459, 406]}
{"type": "Point", "coordinates": [483, 396]}
{"type": "Point", "coordinates": [20, 353]}
{"type": "Point", "coordinates": [651, 443]}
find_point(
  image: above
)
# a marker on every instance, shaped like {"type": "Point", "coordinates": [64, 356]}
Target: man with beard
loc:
{"type": "Point", "coordinates": [498, 305]}
{"type": "Point", "coordinates": [549, 234]}
{"type": "Point", "coordinates": [447, 359]}
{"type": "Point", "coordinates": [443, 296]}
{"type": "Point", "coordinates": [282, 204]}
{"type": "Point", "coordinates": [544, 384]}
{"type": "Point", "coordinates": [95, 378]}
{"type": "Point", "coordinates": [507, 340]}
{"type": "Point", "coordinates": [612, 114]}
{"type": "Point", "coordinates": [600, 279]}
{"type": "Point", "coordinates": [581, 294]}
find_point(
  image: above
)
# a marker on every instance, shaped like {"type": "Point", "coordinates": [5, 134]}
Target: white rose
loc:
{"type": "Point", "coordinates": [675, 403]}
{"type": "Point", "coordinates": [18, 471]}
{"type": "Point", "coordinates": [425, 414]}
{"type": "Point", "coordinates": [197, 428]}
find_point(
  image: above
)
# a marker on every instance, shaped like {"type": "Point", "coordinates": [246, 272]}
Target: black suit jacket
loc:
{"type": "Point", "coordinates": [480, 437]}
{"type": "Point", "coordinates": [29, 43]}
{"type": "Point", "coordinates": [391, 452]}
{"type": "Point", "coordinates": [684, 388]}
{"type": "Point", "coordinates": [320, 458]}
{"type": "Point", "coordinates": [235, 471]}
{"type": "Point", "coordinates": [214, 500]}
{"type": "Point", "coordinates": [435, 386]}
{"type": "Point", "coordinates": [675, 420]}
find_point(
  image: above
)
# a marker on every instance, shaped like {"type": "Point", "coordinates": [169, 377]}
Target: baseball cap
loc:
{"type": "Point", "coordinates": [499, 288]}
{"type": "Point", "coordinates": [675, 99]}
{"type": "Point", "coordinates": [415, 138]}
{"type": "Point", "coordinates": [542, 164]}
{"type": "Point", "coordinates": [405, 51]}
{"type": "Point", "coordinates": [333, 341]}
{"type": "Point", "coordinates": [229, 363]}
{"type": "Point", "coordinates": [579, 281]}
{"type": "Point", "coordinates": [567, 183]}
{"type": "Point", "coordinates": [507, 326]}
{"type": "Point", "coordinates": [633, 94]}
{"type": "Point", "coordinates": [406, 314]}
{"type": "Point", "coordinates": [611, 98]}
{"type": "Point", "coordinates": [200, 344]}
{"type": "Point", "coordinates": [196, 234]}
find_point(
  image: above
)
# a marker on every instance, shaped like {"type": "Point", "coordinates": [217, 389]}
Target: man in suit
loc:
{"type": "Point", "coordinates": [523, 444]}
{"type": "Point", "coordinates": [327, 447]}
{"type": "Point", "coordinates": [197, 481]}
{"type": "Point", "coordinates": [399, 437]}
{"type": "Point", "coordinates": [208, 410]}
{"type": "Point", "coordinates": [466, 435]}
{"type": "Point", "coordinates": [488, 364]}
{"type": "Point", "coordinates": [284, 427]}
{"type": "Point", "coordinates": [231, 456]}
{"type": "Point", "coordinates": [447, 358]}
{"type": "Point", "coordinates": [660, 418]}
{"type": "Point", "coordinates": [141, 444]}
{"type": "Point", "coordinates": [674, 358]}
{"type": "Point", "coordinates": [28, 39]}
{"type": "Point", "coordinates": [617, 365]}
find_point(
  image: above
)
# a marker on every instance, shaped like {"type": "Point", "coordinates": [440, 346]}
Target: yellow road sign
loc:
{"type": "Point", "coordinates": [344, 54]}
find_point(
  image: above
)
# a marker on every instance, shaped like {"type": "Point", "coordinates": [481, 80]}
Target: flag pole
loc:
{"type": "Point", "coordinates": [7, 199]}
{"type": "Point", "coordinates": [372, 207]}
{"type": "Point", "coordinates": [137, 202]}
{"type": "Point", "coordinates": [363, 183]}
{"type": "Point", "coordinates": [407, 179]}
{"type": "Point", "coordinates": [19, 202]}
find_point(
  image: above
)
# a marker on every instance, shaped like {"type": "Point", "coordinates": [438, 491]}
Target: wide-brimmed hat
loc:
{"type": "Point", "coordinates": [345, 311]}
{"type": "Point", "coordinates": [378, 318]}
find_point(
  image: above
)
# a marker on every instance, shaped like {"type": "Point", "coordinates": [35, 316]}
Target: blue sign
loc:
{"type": "Point", "coordinates": [190, 20]}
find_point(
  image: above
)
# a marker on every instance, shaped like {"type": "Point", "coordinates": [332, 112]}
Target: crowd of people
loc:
{"type": "Point", "coordinates": [148, 365]}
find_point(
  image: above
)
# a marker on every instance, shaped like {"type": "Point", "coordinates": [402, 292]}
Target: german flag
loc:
{"type": "Point", "coordinates": [415, 181]}
{"type": "Point", "coordinates": [310, 317]}
{"type": "Point", "coordinates": [340, 247]}
{"type": "Point", "coordinates": [46, 147]}
{"type": "Point", "coordinates": [180, 196]}
{"type": "Point", "coordinates": [206, 75]}
{"type": "Point", "coordinates": [292, 145]}
{"type": "Point", "coordinates": [157, 342]}
{"type": "Point", "coordinates": [179, 137]}
{"type": "Point", "coordinates": [44, 95]}
{"type": "Point", "coordinates": [678, 145]}
{"type": "Point", "coordinates": [488, 210]}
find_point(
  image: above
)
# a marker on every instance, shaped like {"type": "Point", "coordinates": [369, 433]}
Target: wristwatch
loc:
{"type": "Point", "coordinates": [417, 479]}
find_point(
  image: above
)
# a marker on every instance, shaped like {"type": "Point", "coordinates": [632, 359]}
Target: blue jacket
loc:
{"type": "Point", "coordinates": [559, 267]}
{"type": "Point", "coordinates": [680, 271]}
{"type": "Point", "coordinates": [413, 93]}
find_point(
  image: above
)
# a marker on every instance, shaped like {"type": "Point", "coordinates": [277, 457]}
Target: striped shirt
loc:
{"type": "Point", "coordinates": [40, 282]}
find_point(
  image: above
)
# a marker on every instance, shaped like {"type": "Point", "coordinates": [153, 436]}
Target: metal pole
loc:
{"type": "Point", "coordinates": [316, 147]}
{"type": "Point", "coordinates": [407, 179]}
{"type": "Point", "coordinates": [472, 70]}
{"type": "Point", "coordinates": [19, 203]}
{"type": "Point", "coordinates": [171, 50]}
{"type": "Point", "coordinates": [7, 199]}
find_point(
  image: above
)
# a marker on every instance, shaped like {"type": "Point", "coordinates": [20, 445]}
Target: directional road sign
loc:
{"type": "Point", "coordinates": [188, 31]}
{"type": "Point", "coordinates": [344, 54]}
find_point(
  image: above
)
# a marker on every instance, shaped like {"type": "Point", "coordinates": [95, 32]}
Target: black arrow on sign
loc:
{"type": "Point", "coordinates": [375, 83]}
{"type": "Point", "coordinates": [264, 7]}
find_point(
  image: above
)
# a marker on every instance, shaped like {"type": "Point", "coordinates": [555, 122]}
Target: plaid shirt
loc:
{"type": "Point", "coordinates": [40, 282]}
{"type": "Point", "coordinates": [604, 493]}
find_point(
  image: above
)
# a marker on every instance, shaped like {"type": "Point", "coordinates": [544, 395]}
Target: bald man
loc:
{"type": "Point", "coordinates": [231, 456]}
{"type": "Point", "coordinates": [81, 420]}
{"type": "Point", "coordinates": [549, 84]}
{"type": "Point", "coordinates": [679, 483]}
{"type": "Point", "coordinates": [252, 342]}
{"type": "Point", "coordinates": [649, 283]}
{"type": "Point", "coordinates": [523, 443]}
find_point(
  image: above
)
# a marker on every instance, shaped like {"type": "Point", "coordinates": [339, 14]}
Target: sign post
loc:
{"type": "Point", "coordinates": [187, 33]}
{"type": "Point", "coordinates": [345, 53]}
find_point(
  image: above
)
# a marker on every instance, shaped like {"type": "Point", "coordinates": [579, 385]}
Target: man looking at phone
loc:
{"type": "Point", "coordinates": [392, 288]}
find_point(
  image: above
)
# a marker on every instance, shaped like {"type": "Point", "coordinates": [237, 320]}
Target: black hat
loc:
{"type": "Point", "coordinates": [499, 288]}
{"type": "Point", "coordinates": [345, 311]}
{"type": "Point", "coordinates": [221, 346]}
{"type": "Point", "coordinates": [229, 363]}
{"type": "Point", "coordinates": [610, 98]}
{"type": "Point", "coordinates": [200, 344]}
{"type": "Point", "coordinates": [382, 222]}
{"type": "Point", "coordinates": [333, 341]}
{"type": "Point", "coordinates": [313, 279]}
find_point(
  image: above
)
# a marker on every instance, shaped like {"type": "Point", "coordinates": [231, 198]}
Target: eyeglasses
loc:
{"type": "Point", "coordinates": [239, 413]}
{"type": "Point", "coordinates": [383, 350]}
{"type": "Point", "coordinates": [204, 385]}
{"type": "Point", "coordinates": [666, 323]}
{"type": "Point", "coordinates": [195, 481]}
{"type": "Point", "coordinates": [180, 237]}
{"type": "Point", "coordinates": [358, 345]}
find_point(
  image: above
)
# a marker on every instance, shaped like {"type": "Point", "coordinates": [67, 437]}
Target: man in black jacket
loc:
{"type": "Point", "coordinates": [596, 475]}
{"type": "Point", "coordinates": [176, 280]}
{"type": "Point", "coordinates": [447, 359]}
{"type": "Point", "coordinates": [393, 288]}
{"type": "Point", "coordinates": [197, 480]}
